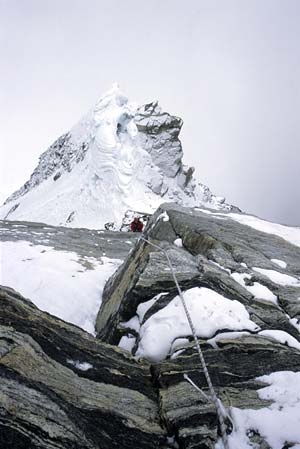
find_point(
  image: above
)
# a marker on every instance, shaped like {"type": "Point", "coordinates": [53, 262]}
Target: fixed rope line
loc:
{"type": "Point", "coordinates": [213, 395]}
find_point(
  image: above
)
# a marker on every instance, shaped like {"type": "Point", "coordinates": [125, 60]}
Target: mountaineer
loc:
{"type": "Point", "coordinates": [136, 225]}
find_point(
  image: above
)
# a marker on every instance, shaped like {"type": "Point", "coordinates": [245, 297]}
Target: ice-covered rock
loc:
{"type": "Point", "coordinates": [118, 157]}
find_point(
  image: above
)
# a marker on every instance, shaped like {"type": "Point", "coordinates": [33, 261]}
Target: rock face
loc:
{"type": "Point", "coordinates": [159, 136]}
{"type": "Point", "coordinates": [221, 258]}
{"type": "Point", "coordinates": [118, 157]}
{"type": "Point", "coordinates": [211, 247]}
{"type": "Point", "coordinates": [61, 388]}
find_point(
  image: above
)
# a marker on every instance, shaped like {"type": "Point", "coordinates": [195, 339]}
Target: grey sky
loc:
{"type": "Point", "coordinates": [229, 68]}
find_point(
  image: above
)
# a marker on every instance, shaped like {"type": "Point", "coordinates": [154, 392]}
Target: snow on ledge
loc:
{"type": "Point", "coordinates": [56, 281]}
{"type": "Point", "coordinates": [210, 312]}
{"type": "Point", "coordinates": [279, 278]}
{"type": "Point", "coordinates": [178, 242]}
{"type": "Point", "coordinates": [282, 337]}
{"type": "Point", "coordinates": [258, 290]}
{"type": "Point", "coordinates": [280, 263]}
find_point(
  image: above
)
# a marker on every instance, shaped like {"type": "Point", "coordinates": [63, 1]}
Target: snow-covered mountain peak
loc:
{"type": "Point", "coordinates": [113, 98]}
{"type": "Point", "coordinates": [119, 156]}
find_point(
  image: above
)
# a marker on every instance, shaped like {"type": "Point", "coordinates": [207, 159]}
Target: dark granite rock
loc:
{"type": "Point", "coordinates": [159, 133]}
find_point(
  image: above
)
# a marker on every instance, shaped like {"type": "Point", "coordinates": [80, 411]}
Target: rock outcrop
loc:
{"type": "Point", "coordinates": [61, 388]}
{"type": "Point", "coordinates": [212, 253]}
{"type": "Point", "coordinates": [83, 242]}
{"type": "Point", "coordinates": [160, 137]}
{"type": "Point", "coordinates": [213, 249]}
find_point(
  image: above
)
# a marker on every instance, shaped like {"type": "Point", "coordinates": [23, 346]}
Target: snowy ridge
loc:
{"type": "Point", "coordinates": [118, 157]}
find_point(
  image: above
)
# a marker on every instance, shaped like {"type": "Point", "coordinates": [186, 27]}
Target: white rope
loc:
{"type": "Point", "coordinates": [207, 398]}
{"type": "Point", "coordinates": [214, 398]}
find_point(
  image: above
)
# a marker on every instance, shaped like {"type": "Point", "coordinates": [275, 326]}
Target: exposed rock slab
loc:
{"type": "Point", "coordinates": [84, 242]}
{"type": "Point", "coordinates": [159, 136]}
{"type": "Point", "coordinates": [213, 249]}
{"type": "Point", "coordinates": [51, 398]}
{"type": "Point", "coordinates": [62, 388]}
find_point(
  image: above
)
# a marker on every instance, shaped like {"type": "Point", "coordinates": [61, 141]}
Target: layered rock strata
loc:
{"type": "Point", "coordinates": [61, 388]}
{"type": "Point", "coordinates": [214, 253]}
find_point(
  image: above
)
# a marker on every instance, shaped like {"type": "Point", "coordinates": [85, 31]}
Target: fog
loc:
{"type": "Point", "coordinates": [230, 69]}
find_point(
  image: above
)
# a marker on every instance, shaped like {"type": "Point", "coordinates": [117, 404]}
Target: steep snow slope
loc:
{"type": "Point", "coordinates": [118, 157]}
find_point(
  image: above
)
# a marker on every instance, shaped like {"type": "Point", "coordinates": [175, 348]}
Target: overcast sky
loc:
{"type": "Point", "coordinates": [229, 68]}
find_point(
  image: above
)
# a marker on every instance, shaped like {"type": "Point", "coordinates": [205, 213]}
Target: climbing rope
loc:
{"type": "Point", "coordinates": [217, 402]}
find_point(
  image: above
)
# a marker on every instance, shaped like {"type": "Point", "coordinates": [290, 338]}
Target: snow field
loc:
{"type": "Point", "coordinates": [288, 233]}
{"type": "Point", "coordinates": [57, 282]}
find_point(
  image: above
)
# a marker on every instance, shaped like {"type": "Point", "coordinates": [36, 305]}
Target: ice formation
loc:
{"type": "Point", "coordinates": [118, 157]}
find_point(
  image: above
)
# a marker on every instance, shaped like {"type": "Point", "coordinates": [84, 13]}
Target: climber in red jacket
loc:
{"type": "Point", "coordinates": [136, 225]}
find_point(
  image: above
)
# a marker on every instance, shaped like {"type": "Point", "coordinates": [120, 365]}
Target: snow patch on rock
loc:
{"type": "Point", "coordinates": [278, 423]}
{"type": "Point", "coordinates": [279, 278]}
{"type": "Point", "coordinates": [210, 312]}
